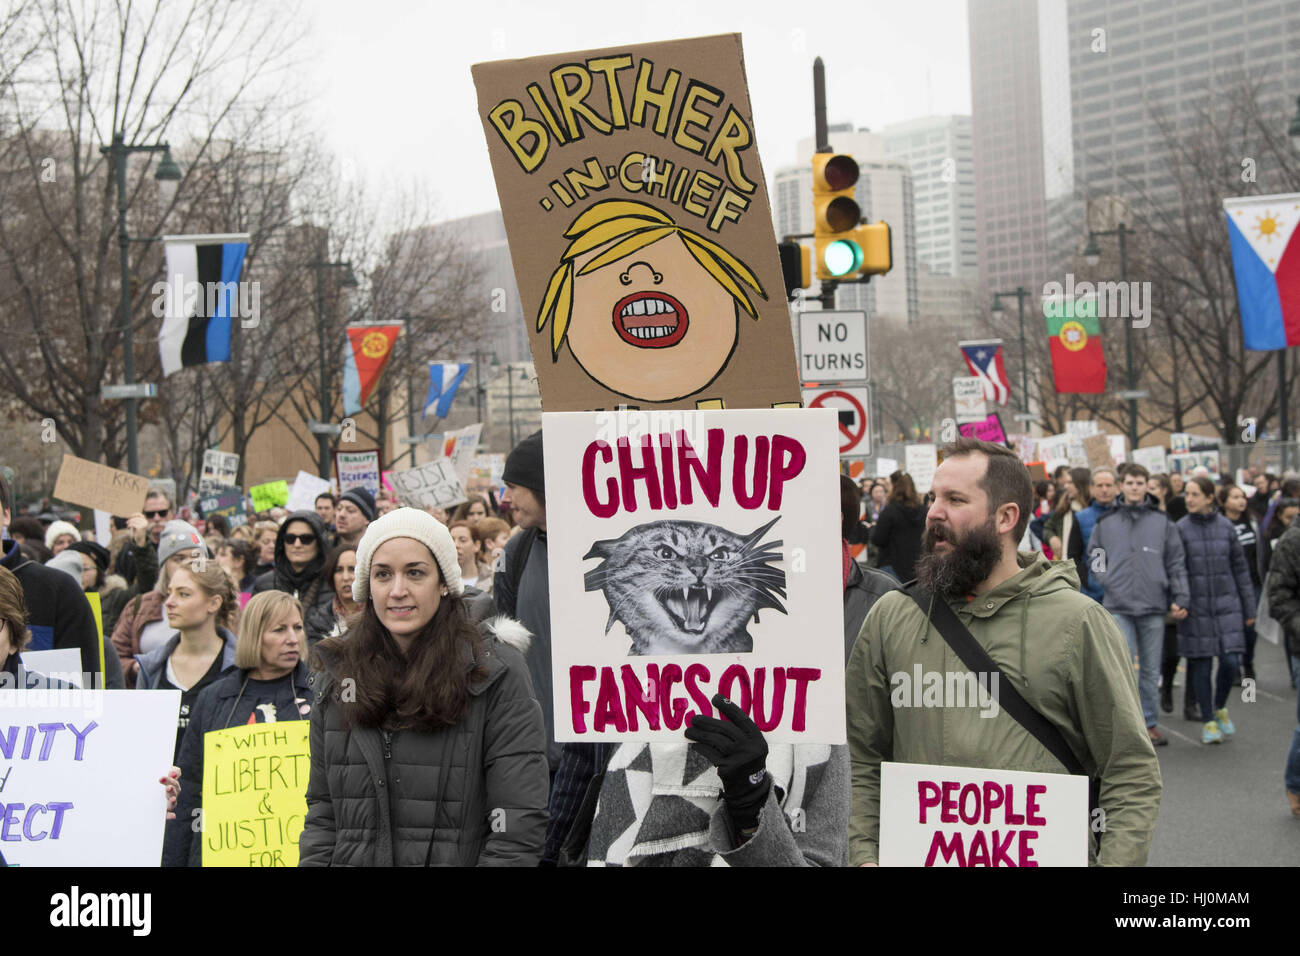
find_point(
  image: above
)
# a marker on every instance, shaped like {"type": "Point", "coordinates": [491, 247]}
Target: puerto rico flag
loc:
{"type": "Point", "coordinates": [984, 359]}
{"type": "Point", "coordinates": [1266, 260]}
{"type": "Point", "coordinates": [200, 297]}
{"type": "Point", "coordinates": [364, 359]}
{"type": "Point", "coordinates": [444, 379]}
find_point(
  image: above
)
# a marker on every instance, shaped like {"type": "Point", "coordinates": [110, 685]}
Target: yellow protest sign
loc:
{"type": "Point", "coordinates": [255, 793]}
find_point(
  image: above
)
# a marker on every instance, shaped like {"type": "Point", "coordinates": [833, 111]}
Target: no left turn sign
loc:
{"type": "Point", "coordinates": [852, 402]}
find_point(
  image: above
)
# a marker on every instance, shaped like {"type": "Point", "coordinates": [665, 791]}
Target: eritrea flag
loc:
{"type": "Point", "coordinates": [1078, 362]}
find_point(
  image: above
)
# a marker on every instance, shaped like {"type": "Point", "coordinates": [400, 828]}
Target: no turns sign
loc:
{"type": "Point", "coordinates": [853, 402]}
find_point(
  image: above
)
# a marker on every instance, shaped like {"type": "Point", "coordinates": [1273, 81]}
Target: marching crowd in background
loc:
{"type": "Point", "coordinates": [418, 644]}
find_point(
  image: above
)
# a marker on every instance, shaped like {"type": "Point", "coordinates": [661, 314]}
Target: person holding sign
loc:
{"type": "Point", "coordinates": [1056, 650]}
{"type": "Point", "coordinates": [427, 744]}
{"type": "Point", "coordinates": [268, 684]}
{"type": "Point", "coordinates": [200, 605]}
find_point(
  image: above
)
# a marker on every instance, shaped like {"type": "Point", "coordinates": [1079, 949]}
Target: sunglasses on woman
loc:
{"type": "Point", "coordinates": [299, 538]}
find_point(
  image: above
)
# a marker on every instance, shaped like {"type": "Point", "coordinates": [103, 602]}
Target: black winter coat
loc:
{"type": "Point", "coordinates": [470, 795]}
{"type": "Point", "coordinates": [1283, 583]}
{"type": "Point", "coordinates": [1223, 597]}
{"type": "Point", "coordinates": [865, 587]}
{"type": "Point", "coordinates": [898, 536]}
{"type": "Point", "coordinates": [222, 704]}
{"type": "Point", "coordinates": [306, 585]}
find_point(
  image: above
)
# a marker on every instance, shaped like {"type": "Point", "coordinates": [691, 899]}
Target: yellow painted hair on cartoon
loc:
{"type": "Point", "coordinates": [636, 225]}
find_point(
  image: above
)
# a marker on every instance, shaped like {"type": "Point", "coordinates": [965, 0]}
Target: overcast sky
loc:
{"type": "Point", "coordinates": [392, 77]}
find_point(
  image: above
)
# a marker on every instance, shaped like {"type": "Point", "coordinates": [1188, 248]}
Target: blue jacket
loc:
{"type": "Point", "coordinates": [1135, 554]}
{"type": "Point", "coordinates": [154, 664]}
{"type": "Point", "coordinates": [1223, 596]}
{"type": "Point", "coordinates": [1086, 519]}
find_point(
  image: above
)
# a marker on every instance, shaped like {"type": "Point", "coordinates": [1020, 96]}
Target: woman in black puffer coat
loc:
{"type": "Point", "coordinates": [1222, 605]}
{"type": "Point", "coordinates": [427, 744]}
{"type": "Point", "coordinates": [298, 567]}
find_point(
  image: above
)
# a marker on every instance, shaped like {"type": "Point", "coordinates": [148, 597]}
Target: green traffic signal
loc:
{"type": "Point", "coordinates": [842, 257]}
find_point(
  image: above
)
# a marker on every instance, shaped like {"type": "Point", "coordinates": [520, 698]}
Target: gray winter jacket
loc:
{"type": "Point", "coordinates": [476, 791]}
{"type": "Point", "coordinates": [1136, 554]}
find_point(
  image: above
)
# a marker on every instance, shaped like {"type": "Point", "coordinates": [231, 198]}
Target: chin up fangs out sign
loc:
{"type": "Point", "coordinates": [640, 228]}
{"type": "Point", "coordinates": [690, 554]}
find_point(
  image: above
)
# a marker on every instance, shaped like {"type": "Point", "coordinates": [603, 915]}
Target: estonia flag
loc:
{"type": "Point", "coordinates": [202, 296]}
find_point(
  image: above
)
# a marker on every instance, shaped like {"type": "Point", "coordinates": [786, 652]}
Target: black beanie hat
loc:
{"type": "Point", "coordinates": [98, 553]}
{"type": "Point", "coordinates": [524, 464]}
{"type": "Point", "coordinates": [363, 499]}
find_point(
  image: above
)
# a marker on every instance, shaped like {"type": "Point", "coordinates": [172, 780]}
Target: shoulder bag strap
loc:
{"type": "Point", "coordinates": [974, 656]}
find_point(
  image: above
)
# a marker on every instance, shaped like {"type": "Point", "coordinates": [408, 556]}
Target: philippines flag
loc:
{"type": "Point", "coordinates": [1266, 260]}
{"type": "Point", "coordinates": [444, 379]}
{"type": "Point", "coordinates": [984, 359]}
{"type": "Point", "coordinates": [201, 295]}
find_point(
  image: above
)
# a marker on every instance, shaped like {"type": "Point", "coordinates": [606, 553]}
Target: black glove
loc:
{"type": "Point", "coordinates": [737, 748]}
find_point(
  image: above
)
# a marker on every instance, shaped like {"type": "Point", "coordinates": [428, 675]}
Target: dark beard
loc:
{"type": "Point", "coordinates": [970, 560]}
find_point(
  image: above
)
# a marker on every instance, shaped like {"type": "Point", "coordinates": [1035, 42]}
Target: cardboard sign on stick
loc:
{"type": "Point", "coordinates": [81, 777]}
{"type": "Point", "coordinates": [434, 484]}
{"type": "Point", "coordinates": [639, 225]}
{"type": "Point", "coordinates": [92, 485]}
{"type": "Point", "coordinates": [358, 469]}
{"type": "Point", "coordinates": [1097, 448]}
{"type": "Point", "coordinates": [987, 429]}
{"type": "Point", "coordinates": [920, 461]}
{"type": "Point", "coordinates": [965, 816]}
{"type": "Point", "coordinates": [302, 496]}
{"type": "Point", "coordinates": [220, 470]}
{"type": "Point", "coordinates": [694, 562]}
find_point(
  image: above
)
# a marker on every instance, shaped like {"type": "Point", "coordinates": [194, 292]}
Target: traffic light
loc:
{"type": "Point", "coordinates": [876, 243]}
{"type": "Point", "coordinates": [796, 266]}
{"type": "Point", "coordinates": [836, 215]}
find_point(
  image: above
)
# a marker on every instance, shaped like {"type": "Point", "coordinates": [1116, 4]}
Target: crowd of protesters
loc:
{"type": "Point", "coordinates": [440, 626]}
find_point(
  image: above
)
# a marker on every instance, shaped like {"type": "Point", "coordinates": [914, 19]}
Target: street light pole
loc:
{"type": "Point", "coordinates": [168, 171]}
{"type": "Point", "coordinates": [410, 392]}
{"type": "Point", "coordinates": [1020, 294]}
{"type": "Point", "coordinates": [322, 438]}
{"type": "Point", "coordinates": [1093, 255]}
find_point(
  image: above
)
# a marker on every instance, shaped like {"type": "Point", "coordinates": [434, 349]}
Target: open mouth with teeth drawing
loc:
{"type": "Point", "coordinates": [650, 320]}
{"type": "Point", "coordinates": [689, 607]}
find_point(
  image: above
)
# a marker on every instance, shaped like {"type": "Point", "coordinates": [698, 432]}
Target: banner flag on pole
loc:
{"type": "Point", "coordinates": [364, 358]}
{"type": "Point", "coordinates": [984, 359]}
{"type": "Point", "coordinates": [1266, 261]}
{"type": "Point", "coordinates": [444, 379]}
{"type": "Point", "coordinates": [1078, 362]}
{"type": "Point", "coordinates": [203, 293]}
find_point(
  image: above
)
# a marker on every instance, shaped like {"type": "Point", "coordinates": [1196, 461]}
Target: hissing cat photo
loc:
{"type": "Point", "coordinates": [687, 587]}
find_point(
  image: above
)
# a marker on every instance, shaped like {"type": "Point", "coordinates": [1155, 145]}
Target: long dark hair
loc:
{"type": "Point", "coordinates": [332, 565]}
{"type": "Point", "coordinates": [425, 689]}
{"type": "Point", "coordinates": [902, 491]}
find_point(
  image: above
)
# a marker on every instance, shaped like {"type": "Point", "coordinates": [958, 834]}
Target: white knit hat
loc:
{"type": "Point", "coordinates": [57, 528]}
{"type": "Point", "coordinates": [407, 523]}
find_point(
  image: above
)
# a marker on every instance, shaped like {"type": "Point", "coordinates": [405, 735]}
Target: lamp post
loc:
{"type": "Point", "coordinates": [1092, 253]}
{"type": "Point", "coordinates": [410, 391]}
{"type": "Point", "coordinates": [167, 172]}
{"type": "Point", "coordinates": [1020, 294]}
{"type": "Point", "coordinates": [349, 281]}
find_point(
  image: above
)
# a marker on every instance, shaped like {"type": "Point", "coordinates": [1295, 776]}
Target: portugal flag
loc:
{"type": "Point", "coordinates": [1078, 363]}
{"type": "Point", "coordinates": [364, 359]}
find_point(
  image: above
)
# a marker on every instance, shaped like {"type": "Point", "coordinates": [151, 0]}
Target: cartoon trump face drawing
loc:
{"type": "Point", "coordinates": [649, 309]}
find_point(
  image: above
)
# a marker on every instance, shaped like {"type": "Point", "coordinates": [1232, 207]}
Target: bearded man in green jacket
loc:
{"type": "Point", "coordinates": [1060, 648]}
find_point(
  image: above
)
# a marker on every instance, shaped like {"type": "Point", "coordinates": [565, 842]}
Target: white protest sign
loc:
{"type": "Point", "coordinates": [1081, 429]}
{"type": "Point", "coordinates": [1053, 451]}
{"type": "Point", "coordinates": [103, 527]}
{"type": "Point", "coordinates": [968, 396]}
{"type": "Point", "coordinates": [63, 664]}
{"type": "Point", "coordinates": [358, 469]}
{"type": "Point", "coordinates": [886, 467]}
{"type": "Point", "coordinates": [302, 495]}
{"type": "Point", "coordinates": [920, 461]}
{"type": "Point", "coordinates": [464, 451]}
{"type": "Point", "coordinates": [966, 816]}
{"type": "Point", "coordinates": [1118, 447]}
{"type": "Point", "coordinates": [434, 484]}
{"type": "Point", "coordinates": [696, 561]}
{"type": "Point", "coordinates": [80, 771]}
{"type": "Point", "coordinates": [220, 470]}
{"type": "Point", "coordinates": [832, 346]}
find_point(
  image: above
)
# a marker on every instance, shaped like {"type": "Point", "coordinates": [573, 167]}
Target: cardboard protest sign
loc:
{"type": "Point", "coordinates": [987, 429]}
{"type": "Point", "coordinates": [272, 494]}
{"type": "Point", "coordinates": [1180, 443]}
{"type": "Point", "coordinates": [305, 488]}
{"type": "Point", "coordinates": [1037, 471]}
{"type": "Point", "coordinates": [434, 484]}
{"type": "Point", "coordinates": [1118, 447]}
{"type": "Point", "coordinates": [80, 773]}
{"type": "Point", "coordinates": [965, 816]}
{"type": "Point", "coordinates": [358, 469]}
{"type": "Point", "coordinates": [920, 461]}
{"type": "Point", "coordinates": [1054, 451]}
{"type": "Point", "coordinates": [639, 225]}
{"type": "Point", "coordinates": [226, 502]}
{"type": "Point", "coordinates": [968, 396]}
{"type": "Point", "coordinates": [92, 485]}
{"type": "Point", "coordinates": [1026, 446]}
{"type": "Point", "coordinates": [1097, 448]}
{"type": "Point", "coordinates": [692, 561]}
{"type": "Point", "coordinates": [1186, 464]}
{"type": "Point", "coordinates": [220, 470]}
{"type": "Point", "coordinates": [255, 793]}
{"type": "Point", "coordinates": [1152, 458]}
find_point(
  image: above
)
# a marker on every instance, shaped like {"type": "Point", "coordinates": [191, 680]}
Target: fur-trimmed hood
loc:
{"type": "Point", "coordinates": [508, 631]}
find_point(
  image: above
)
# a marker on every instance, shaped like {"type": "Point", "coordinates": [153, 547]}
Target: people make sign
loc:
{"type": "Point", "coordinates": [639, 225]}
{"type": "Point", "coordinates": [255, 793]}
{"type": "Point", "coordinates": [691, 561]}
{"type": "Point", "coordinates": [79, 775]}
{"type": "Point", "coordinates": [966, 816]}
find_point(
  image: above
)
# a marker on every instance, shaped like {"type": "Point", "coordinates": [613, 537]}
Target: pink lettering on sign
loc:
{"type": "Point", "coordinates": [990, 429]}
{"type": "Point", "coordinates": [1005, 844]}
